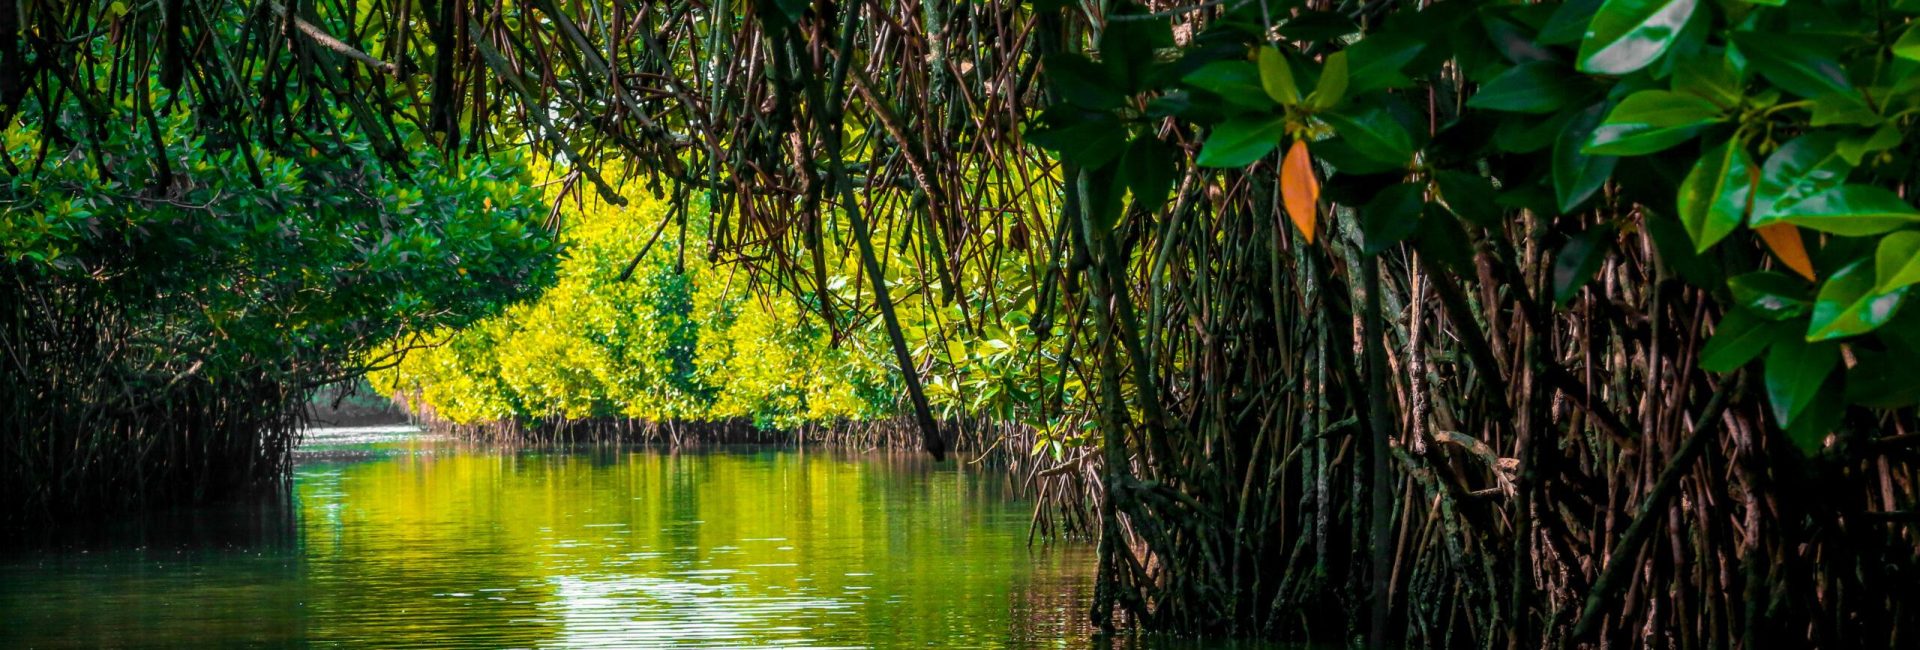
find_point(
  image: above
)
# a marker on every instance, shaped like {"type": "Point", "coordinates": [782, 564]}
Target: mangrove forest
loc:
{"type": "Point", "coordinates": [960, 323]}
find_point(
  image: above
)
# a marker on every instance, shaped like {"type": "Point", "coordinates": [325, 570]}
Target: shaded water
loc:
{"type": "Point", "coordinates": [392, 541]}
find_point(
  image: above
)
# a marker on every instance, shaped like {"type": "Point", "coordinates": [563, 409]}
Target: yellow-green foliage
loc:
{"type": "Point", "coordinates": [709, 344]}
{"type": "Point", "coordinates": [662, 345]}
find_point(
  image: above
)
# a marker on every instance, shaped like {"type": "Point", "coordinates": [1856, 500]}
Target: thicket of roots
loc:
{"type": "Point", "coordinates": [105, 409]}
{"type": "Point", "coordinates": [1330, 432]}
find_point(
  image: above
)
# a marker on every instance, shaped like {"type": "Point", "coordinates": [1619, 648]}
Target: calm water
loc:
{"type": "Point", "coordinates": [392, 541]}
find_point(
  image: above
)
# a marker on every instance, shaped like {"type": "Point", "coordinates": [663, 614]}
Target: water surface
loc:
{"type": "Point", "coordinates": [387, 540]}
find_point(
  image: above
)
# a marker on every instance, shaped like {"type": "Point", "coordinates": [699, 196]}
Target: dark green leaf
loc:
{"type": "Point", "coordinates": [1318, 26]}
{"type": "Point", "coordinates": [1088, 143]}
{"type": "Point", "coordinates": [1649, 121]}
{"type": "Point", "coordinates": [1568, 22]}
{"type": "Point", "coordinates": [1576, 176]}
{"type": "Point", "coordinates": [1377, 60]}
{"type": "Point", "coordinates": [1469, 196]}
{"type": "Point", "coordinates": [1127, 46]}
{"type": "Point", "coordinates": [1740, 337]}
{"type": "Point", "coordinates": [1885, 379]}
{"type": "Point", "coordinates": [1373, 132]}
{"type": "Point", "coordinates": [1578, 260]}
{"type": "Point", "coordinates": [1240, 141]}
{"type": "Point", "coordinates": [1715, 195]}
{"type": "Point", "coordinates": [1848, 306]}
{"type": "Point", "coordinates": [1855, 147]}
{"type": "Point", "coordinates": [1528, 133]}
{"type": "Point", "coordinates": [1843, 109]}
{"type": "Point", "coordinates": [1795, 371]}
{"type": "Point", "coordinates": [1538, 87]}
{"type": "Point", "coordinates": [1103, 193]}
{"type": "Point", "coordinates": [1627, 35]}
{"type": "Point", "coordinates": [1771, 294]}
{"type": "Point", "coordinates": [1442, 239]}
{"type": "Point", "coordinates": [1711, 77]}
{"type": "Point", "coordinates": [1676, 251]}
{"type": "Point", "coordinates": [1238, 82]}
{"type": "Point", "coordinates": [1176, 103]}
{"type": "Point", "coordinates": [1794, 63]}
{"type": "Point", "coordinates": [1149, 168]}
{"type": "Point", "coordinates": [1514, 42]}
{"type": "Point", "coordinates": [1082, 82]}
{"type": "Point", "coordinates": [1809, 430]}
{"type": "Point", "coordinates": [1392, 216]}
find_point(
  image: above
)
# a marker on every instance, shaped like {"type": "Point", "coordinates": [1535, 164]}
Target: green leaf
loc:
{"type": "Point", "coordinates": [1576, 175]}
{"type": "Point", "coordinates": [1884, 379]}
{"type": "Point", "coordinates": [1578, 260]}
{"type": "Point", "coordinates": [1377, 61]}
{"type": "Point", "coordinates": [1824, 412]}
{"type": "Point", "coordinates": [1852, 210]}
{"type": "Point", "coordinates": [1514, 41]}
{"type": "Point", "coordinates": [1083, 83]}
{"type": "Point", "coordinates": [1238, 82]}
{"type": "Point", "coordinates": [1848, 306]}
{"type": "Point", "coordinates": [1794, 63]}
{"type": "Point", "coordinates": [1676, 251]}
{"type": "Point", "coordinates": [1795, 369]}
{"type": "Point", "coordinates": [1529, 133]}
{"type": "Point", "coordinates": [1897, 261]}
{"type": "Point", "coordinates": [1127, 46]}
{"type": "Point", "coordinates": [1843, 109]}
{"type": "Point", "coordinates": [1770, 294]}
{"type": "Point", "coordinates": [1391, 217]}
{"type": "Point", "coordinates": [1627, 35]}
{"type": "Point", "coordinates": [1649, 121]}
{"type": "Point", "coordinates": [1240, 141]}
{"type": "Point", "coordinates": [1740, 337]}
{"type": "Point", "coordinates": [1908, 47]}
{"type": "Point", "coordinates": [1333, 83]}
{"type": "Point", "coordinates": [1373, 132]}
{"type": "Point", "coordinates": [1537, 87]}
{"type": "Point", "coordinates": [1855, 147]}
{"type": "Point", "coordinates": [1469, 196]}
{"type": "Point", "coordinates": [1088, 143]}
{"type": "Point", "coordinates": [1803, 167]}
{"type": "Point", "coordinates": [1318, 26]}
{"type": "Point", "coordinates": [1442, 239]}
{"type": "Point", "coordinates": [1276, 77]}
{"type": "Point", "coordinates": [1711, 77]}
{"type": "Point", "coordinates": [1148, 166]}
{"type": "Point", "coordinates": [1103, 192]}
{"type": "Point", "coordinates": [1568, 22]}
{"type": "Point", "coordinates": [1715, 195]}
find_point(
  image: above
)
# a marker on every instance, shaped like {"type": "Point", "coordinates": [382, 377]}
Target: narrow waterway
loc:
{"type": "Point", "coordinates": [391, 540]}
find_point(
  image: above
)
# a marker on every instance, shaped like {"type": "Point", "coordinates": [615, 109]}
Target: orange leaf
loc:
{"type": "Point", "coordinates": [1299, 189]}
{"type": "Point", "coordinates": [1784, 240]}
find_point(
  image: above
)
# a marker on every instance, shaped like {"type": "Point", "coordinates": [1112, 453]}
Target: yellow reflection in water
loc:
{"type": "Point", "coordinates": [619, 549]}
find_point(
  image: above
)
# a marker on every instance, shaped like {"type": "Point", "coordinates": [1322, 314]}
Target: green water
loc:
{"type": "Point", "coordinates": [404, 543]}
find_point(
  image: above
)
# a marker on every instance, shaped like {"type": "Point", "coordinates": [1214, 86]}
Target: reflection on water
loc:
{"type": "Point", "coordinates": [439, 546]}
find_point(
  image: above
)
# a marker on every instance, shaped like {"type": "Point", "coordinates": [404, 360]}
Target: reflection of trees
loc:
{"type": "Point", "coordinates": [567, 549]}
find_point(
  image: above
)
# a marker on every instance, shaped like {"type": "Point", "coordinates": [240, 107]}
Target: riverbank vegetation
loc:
{"type": "Point", "coordinates": [1452, 323]}
{"type": "Point", "coordinates": [174, 286]}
